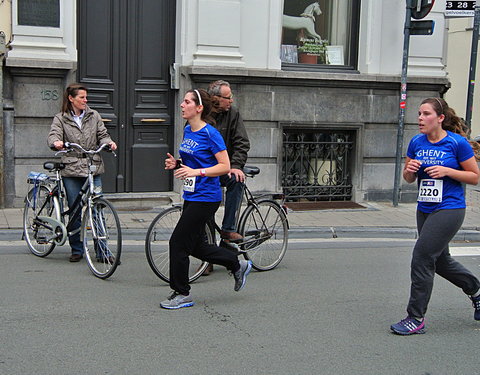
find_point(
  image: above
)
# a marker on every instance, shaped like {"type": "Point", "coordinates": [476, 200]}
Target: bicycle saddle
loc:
{"type": "Point", "coordinates": [52, 166]}
{"type": "Point", "coordinates": [251, 171]}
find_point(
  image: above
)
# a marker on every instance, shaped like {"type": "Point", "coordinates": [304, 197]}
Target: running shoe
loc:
{"type": "Point", "coordinates": [177, 301]}
{"type": "Point", "coordinates": [408, 326]}
{"type": "Point", "coordinates": [476, 306]}
{"type": "Point", "coordinates": [241, 275]}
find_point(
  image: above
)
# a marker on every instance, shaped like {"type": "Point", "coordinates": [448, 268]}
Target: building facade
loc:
{"type": "Point", "coordinates": [459, 50]}
{"type": "Point", "coordinates": [317, 83]}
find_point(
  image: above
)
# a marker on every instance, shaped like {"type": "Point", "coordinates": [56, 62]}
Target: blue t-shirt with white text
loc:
{"type": "Point", "coordinates": [198, 151]}
{"type": "Point", "coordinates": [448, 152]}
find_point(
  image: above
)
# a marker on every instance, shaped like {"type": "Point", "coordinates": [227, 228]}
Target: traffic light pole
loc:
{"type": "Point", "coordinates": [473, 67]}
{"type": "Point", "coordinates": [403, 104]}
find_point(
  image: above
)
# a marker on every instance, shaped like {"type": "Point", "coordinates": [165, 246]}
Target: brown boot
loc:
{"type": "Point", "coordinates": [231, 236]}
{"type": "Point", "coordinates": [75, 258]}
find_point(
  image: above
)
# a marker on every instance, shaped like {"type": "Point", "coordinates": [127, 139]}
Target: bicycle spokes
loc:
{"type": "Point", "coordinates": [265, 231]}
{"type": "Point", "coordinates": [102, 238]}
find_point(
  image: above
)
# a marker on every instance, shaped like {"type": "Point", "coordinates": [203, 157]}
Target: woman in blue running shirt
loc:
{"type": "Point", "coordinates": [440, 159]}
{"type": "Point", "coordinates": [203, 158]}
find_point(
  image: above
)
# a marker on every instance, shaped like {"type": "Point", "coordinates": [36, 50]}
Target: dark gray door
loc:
{"type": "Point", "coordinates": [125, 49]}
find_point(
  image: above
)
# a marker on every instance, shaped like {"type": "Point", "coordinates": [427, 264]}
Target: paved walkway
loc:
{"type": "Point", "coordinates": [376, 219]}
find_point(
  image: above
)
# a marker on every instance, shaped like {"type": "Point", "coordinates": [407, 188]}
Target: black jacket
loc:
{"type": "Point", "coordinates": [230, 125]}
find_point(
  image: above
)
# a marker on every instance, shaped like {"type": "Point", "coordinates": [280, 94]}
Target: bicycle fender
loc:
{"type": "Point", "coordinates": [59, 240]}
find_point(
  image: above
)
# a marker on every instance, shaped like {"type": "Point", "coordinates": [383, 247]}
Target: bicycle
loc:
{"type": "Point", "coordinates": [263, 225]}
{"type": "Point", "coordinates": [45, 226]}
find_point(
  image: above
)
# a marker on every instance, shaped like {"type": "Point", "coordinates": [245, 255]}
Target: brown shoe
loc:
{"type": "Point", "coordinates": [207, 271]}
{"type": "Point", "coordinates": [231, 236]}
{"type": "Point", "coordinates": [76, 257]}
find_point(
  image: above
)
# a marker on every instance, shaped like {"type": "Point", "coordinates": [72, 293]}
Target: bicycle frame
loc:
{"type": "Point", "coordinates": [86, 192]}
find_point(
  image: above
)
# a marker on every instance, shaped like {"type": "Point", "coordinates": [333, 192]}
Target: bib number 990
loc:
{"type": "Point", "coordinates": [189, 184]}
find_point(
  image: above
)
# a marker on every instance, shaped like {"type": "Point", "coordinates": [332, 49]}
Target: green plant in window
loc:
{"type": "Point", "coordinates": [316, 49]}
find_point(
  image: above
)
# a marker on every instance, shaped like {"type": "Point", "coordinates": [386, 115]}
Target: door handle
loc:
{"type": "Point", "coordinates": [152, 120]}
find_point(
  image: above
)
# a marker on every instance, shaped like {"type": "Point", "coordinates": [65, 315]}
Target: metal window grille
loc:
{"type": "Point", "coordinates": [316, 165]}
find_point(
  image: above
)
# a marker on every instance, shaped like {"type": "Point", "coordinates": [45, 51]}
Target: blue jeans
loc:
{"type": "Point", "coordinates": [72, 188]}
{"type": "Point", "coordinates": [233, 200]}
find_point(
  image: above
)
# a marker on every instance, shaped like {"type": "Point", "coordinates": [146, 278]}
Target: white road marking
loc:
{"type": "Point", "coordinates": [466, 251]}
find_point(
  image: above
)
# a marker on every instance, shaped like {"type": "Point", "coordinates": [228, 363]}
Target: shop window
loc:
{"type": "Point", "coordinates": [320, 34]}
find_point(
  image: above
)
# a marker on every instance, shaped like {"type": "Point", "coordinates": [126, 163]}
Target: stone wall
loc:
{"type": "Point", "coordinates": [35, 95]}
{"type": "Point", "coordinates": [365, 104]}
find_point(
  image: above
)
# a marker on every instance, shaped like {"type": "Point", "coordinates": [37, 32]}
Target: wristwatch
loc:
{"type": "Point", "coordinates": [203, 172]}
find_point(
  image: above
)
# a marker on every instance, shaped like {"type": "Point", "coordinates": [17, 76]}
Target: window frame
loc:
{"type": "Point", "coordinates": [351, 65]}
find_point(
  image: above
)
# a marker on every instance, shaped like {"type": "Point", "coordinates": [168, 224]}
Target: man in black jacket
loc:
{"type": "Point", "coordinates": [230, 125]}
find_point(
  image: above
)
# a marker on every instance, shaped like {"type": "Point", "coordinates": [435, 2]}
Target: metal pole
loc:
{"type": "Point", "coordinates": [473, 67]}
{"type": "Point", "coordinates": [403, 103]}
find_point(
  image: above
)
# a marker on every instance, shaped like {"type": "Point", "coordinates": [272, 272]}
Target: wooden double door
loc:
{"type": "Point", "coordinates": [125, 50]}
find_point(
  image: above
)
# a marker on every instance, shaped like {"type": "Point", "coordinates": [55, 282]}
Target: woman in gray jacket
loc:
{"type": "Point", "coordinates": [80, 124]}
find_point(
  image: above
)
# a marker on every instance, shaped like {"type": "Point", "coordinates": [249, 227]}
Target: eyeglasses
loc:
{"type": "Point", "coordinates": [226, 97]}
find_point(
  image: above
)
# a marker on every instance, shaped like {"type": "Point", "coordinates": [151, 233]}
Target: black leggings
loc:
{"type": "Point", "coordinates": [188, 238]}
{"type": "Point", "coordinates": [431, 255]}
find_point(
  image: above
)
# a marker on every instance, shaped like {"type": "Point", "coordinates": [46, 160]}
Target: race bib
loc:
{"type": "Point", "coordinates": [189, 184]}
{"type": "Point", "coordinates": [430, 190]}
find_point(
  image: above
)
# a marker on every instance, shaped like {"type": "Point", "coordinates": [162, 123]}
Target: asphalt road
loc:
{"type": "Point", "coordinates": [326, 309]}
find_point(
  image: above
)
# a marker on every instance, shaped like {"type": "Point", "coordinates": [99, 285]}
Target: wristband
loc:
{"type": "Point", "coordinates": [179, 164]}
{"type": "Point", "coordinates": [203, 172]}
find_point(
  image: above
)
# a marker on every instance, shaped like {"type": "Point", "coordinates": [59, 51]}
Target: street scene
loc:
{"type": "Point", "coordinates": [326, 309]}
{"type": "Point", "coordinates": [239, 187]}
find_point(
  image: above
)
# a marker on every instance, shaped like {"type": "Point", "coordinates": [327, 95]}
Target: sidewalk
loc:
{"type": "Point", "coordinates": [377, 219]}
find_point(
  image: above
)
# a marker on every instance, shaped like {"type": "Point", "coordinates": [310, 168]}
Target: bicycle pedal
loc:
{"type": "Point", "coordinates": [42, 240]}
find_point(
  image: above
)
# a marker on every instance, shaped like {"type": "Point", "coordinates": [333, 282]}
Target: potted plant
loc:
{"type": "Point", "coordinates": [313, 52]}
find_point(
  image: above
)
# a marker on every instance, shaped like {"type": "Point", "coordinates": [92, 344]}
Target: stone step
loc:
{"type": "Point", "coordinates": [142, 201]}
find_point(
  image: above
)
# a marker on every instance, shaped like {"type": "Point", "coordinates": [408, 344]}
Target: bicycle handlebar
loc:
{"type": "Point", "coordinates": [69, 146]}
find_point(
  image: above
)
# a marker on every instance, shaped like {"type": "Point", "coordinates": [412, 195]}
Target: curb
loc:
{"type": "Point", "coordinates": [464, 234]}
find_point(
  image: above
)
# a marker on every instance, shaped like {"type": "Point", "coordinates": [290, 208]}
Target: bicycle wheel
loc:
{"type": "Point", "coordinates": [102, 238]}
{"type": "Point", "coordinates": [40, 235]}
{"type": "Point", "coordinates": [264, 228]}
{"type": "Point", "coordinates": [157, 245]}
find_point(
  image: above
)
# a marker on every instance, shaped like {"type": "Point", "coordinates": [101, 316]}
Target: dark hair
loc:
{"type": "Point", "coordinates": [452, 122]}
{"type": "Point", "coordinates": [72, 90]}
{"type": "Point", "coordinates": [209, 102]}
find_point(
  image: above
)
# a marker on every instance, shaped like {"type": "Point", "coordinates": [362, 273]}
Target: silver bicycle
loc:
{"type": "Point", "coordinates": [44, 217]}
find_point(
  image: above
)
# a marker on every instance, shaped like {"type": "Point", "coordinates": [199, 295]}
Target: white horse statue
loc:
{"type": "Point", "coordinates": [306, 21]}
